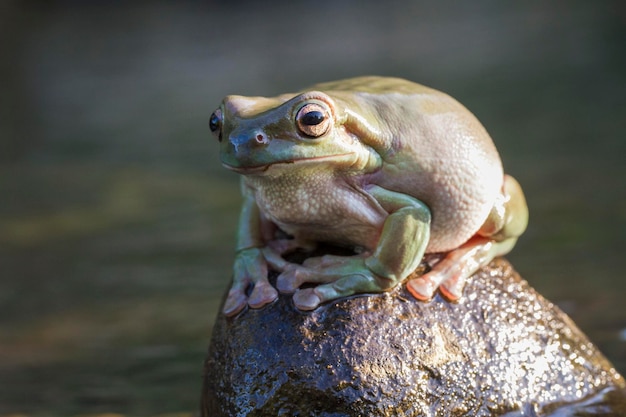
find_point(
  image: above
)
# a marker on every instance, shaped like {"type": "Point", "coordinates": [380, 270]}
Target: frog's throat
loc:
{"type": "Point", "coordinates": [260, 169]}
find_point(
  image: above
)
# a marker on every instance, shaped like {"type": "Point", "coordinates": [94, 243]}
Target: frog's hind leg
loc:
{"type": "Point", "coordinates": [451, 273]}
{"type": "Point", "coordinates": [506, 221]}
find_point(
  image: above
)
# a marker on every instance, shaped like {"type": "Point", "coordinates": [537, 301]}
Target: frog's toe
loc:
{"type": "Point", "coordinates": [421, 288]}
{"type": "Point", "coordinates": [290, 279]}
{"type": "Point", "coordinates": [286, 285]}
{"type": "Point", "coordinates": [262, 294]}
{"type": "Point", "coordinates": [235, 302]}
{"type": "Point", "coordinates": [453, 288]}
{"type": "Point", "coordinates": [306, 299]}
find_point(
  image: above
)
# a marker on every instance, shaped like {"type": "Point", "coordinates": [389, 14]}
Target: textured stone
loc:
{"type": "Point", "coordinates": [503, 349]}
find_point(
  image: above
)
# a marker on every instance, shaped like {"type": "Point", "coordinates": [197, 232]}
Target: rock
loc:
{"type": "Point", "coordinates": [503, 349]}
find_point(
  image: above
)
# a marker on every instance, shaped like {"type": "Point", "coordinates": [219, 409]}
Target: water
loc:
{"type": "Point", "coordinates": [117, 222]}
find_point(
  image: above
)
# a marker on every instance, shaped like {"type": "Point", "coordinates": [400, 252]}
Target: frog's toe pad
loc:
{"type": "Point", "coordinates": [262, 294]}
{"type": "Point", "coordinates": [287, 282]}
{"type": "Point", "coordinates": [306, 299]}
{"type": "Point", "coordinates": [453, 291]}
{"type": "Point", "coordinates": [421, 288]}
{"type": "Point", "coordinates": [235, 302]}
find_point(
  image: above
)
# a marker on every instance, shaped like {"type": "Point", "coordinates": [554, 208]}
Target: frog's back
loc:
{"type": "Point", "coordinates": [375, 85]}
{"type": "Point", "coordinates": [433, 149]}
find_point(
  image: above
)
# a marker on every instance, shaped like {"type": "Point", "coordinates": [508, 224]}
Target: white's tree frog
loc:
{"type": "Point", "coordinates": [389, 168]}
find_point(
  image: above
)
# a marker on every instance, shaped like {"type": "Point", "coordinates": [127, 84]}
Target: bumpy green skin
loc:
{"type": "Point", "coordinates": [388, 167]}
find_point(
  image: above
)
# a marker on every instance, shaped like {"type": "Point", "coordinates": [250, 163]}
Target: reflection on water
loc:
{"type": "Point", "coordinates": [117, 222]}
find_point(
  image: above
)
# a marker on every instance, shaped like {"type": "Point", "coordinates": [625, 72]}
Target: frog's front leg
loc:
{"type": "Point", "coordinates": [506, 222]}
{"type": "Point", "coordinates": [251, 261]}
{"type": "Point", "coordinates": [400, 248]}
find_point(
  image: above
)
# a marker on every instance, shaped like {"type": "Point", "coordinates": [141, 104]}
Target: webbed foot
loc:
{"type": "Point", "coordinates": [450, 274]}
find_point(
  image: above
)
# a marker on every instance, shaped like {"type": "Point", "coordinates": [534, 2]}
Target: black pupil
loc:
{"type": "Point", "coordinates": [312, 118]}
{"type": "Point", "coordinates": [214, 122]}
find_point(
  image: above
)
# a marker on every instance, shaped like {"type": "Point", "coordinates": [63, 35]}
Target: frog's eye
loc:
{"type": "Point", "coordinates": [313, 120]}
{"type": "Point", "coordinates": [215, 123]}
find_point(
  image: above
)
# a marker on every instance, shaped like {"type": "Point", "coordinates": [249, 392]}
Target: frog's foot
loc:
{"type": "Point", "coordinates": [337, 277]}
{"type": "Point", "coordinates": [250, 271]}
{"type": "Point", "coordinates": [262, 293]}
{"type": "Point", "coordinates": [450, 274]}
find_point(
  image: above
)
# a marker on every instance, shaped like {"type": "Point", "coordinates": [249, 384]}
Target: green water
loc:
{"type": "Point", "coordinates": [117, 222]}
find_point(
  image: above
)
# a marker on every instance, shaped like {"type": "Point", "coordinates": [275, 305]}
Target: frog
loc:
{"type": "Point", "coordinates": [398, 173]}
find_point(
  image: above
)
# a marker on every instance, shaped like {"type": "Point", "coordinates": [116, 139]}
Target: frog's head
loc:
{"type": "Point", "coordinates": [260, 135]}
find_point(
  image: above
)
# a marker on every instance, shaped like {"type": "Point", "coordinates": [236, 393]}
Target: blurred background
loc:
{"type": "Point", "coordinates": [117, 221]}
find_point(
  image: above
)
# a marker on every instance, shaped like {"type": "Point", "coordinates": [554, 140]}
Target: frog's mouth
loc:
{"type": "Point", "coordinates": [247, 170]}
{"type": "Point", "coordinates": [260, 169]}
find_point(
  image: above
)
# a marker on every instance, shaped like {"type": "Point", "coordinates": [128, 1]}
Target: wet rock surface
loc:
{"type": "Point", "coordinates": [503, 349]}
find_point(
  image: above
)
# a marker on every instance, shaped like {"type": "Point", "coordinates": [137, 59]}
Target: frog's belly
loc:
{"type": "Point", "coordinates": [336, 214]}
